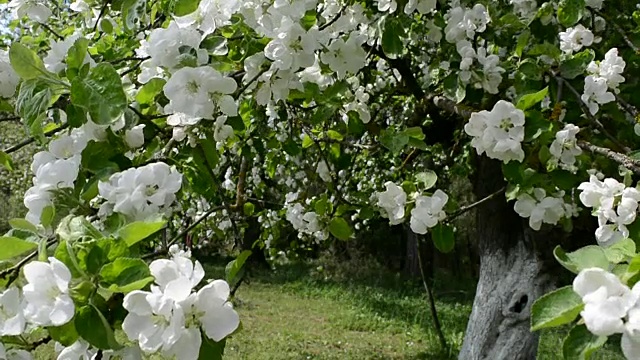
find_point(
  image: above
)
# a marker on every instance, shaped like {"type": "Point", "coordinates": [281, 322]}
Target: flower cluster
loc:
{"type": "Point", "coordinates": [44, 301]}
{"type": "Point", "coordinates": [304, 222]}
{"type": "Point", "coordinates": [604, 76]}
{"type": "Point", "coordinates": [499, 132]}
{"type": "Point", "coordinates": [198, 92]}
{"type": "Point", "coordinates": [428, 212]}
{"type": "Point", "coordinates": [391, 203]}
{"type": "Point", "coordinates": [169, 318]}
{"type": "Point", "coordinates": [54, 169]}
{"type": "Point", "coordinates": [140, 193]}
{"type": "Point", "coordinates": [615, 206]}
{"type": "Point", "coordinates": [610, 307]}
{"type": "Point", "coordinates": [541, 208]}
{"type": "Point", "coordinates": [564, 148]}
{"type": "Point", "coordinates": [575, 38]}
{"type": "Point", "coordinates": [461, 29]}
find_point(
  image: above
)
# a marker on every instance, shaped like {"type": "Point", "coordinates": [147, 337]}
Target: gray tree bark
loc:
{"type": "Point", "coordinates": [514, 271]}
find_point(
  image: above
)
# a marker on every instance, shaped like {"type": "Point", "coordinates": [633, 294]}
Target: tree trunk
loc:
{"type": "Point", "coordinates": [514, 271]}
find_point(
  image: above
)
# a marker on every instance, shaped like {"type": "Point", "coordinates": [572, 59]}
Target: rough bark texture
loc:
{"type": "Point", "coordinates": [514, 264]}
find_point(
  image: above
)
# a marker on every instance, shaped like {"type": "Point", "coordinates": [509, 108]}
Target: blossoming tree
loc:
{"type": "Point", "coordinates": [164, 124]}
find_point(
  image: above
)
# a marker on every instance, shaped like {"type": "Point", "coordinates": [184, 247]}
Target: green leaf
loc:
{"type": "Point", "coordinates": [125, 275]}
{"type": "Point", "coordinates": [584, 258]}
{"type": "Point", "coordinates": [393, 141]}
{"type": "Point", "coordinates": [528, 100]}
{"type": "Point", "coordinates": [443, 238]}
{"type": "Point", "coordinates": [580, 344]}
{"type": "Point", "coordinates": [11, 247]}
{"type": "Point", "coordinates": [34, 98]}
{"type": "Point", "coordinates": [211, 350]}
{"type": "Point", "coordinates": [26, 62]}
{"type": "Point", "coordinates": [414, 132]}
{"type": "Point", "coordinates": [77, 53]}
{"type": "Point", "coordinates": [623, 250]}
{"type": "Point", "coordinates": [113, 248]}
{"type": "Point", "coordinates": [339, 228]}
{"type": "Point", "coordinates": [556, 308]}
{"type": "Point", "coordinates": [47, 216]}
{"type": "Point", "coordinates": [235, 266]}
{"type": "Point", "coordinates": [427, 178]}
{"type": "Point", "coordinates": [6, 161]}
{"type": "Point", "coordinates": [101, 94]}
{"type": "Point", "coordinates": [92, 326]}
{"type": "Point", "coordinates": [23, 224]}
{"type": "Point", "coordinates": [332, 134]}
{"type": "Point", "coordinates": [523, 41]}
{"type": "Point", "coordinates": [577, 64]}
{"type": "Point", "coordinates": [632, 273]}
{"type": "Point", "coordinates": [185, 7]}
{"type": "Point", "coordinates": [150, 90]}
{"type": "Point", "coordinates": [307, 141]}
{"type": "Point", "coordinates": [570, 12]}
{"type": "Point", "coordinates": [392, 37]}
{"type": "Point", "coordinates": [65, 334]}
{"type": "Point", "coordinates": [139, 230]}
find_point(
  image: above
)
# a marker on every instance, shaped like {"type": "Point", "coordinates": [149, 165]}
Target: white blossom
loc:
{"type": "Point", "coordinates": [141, 193]}
{"type": "Point", "coordinates": [12, 321]}
{"type": "Point", "coordinates": [575, 38]}
{"type": "Point", "coordinates": [541, 208]}
{"type": "Point", "coordinates": [392, 202]}
{"type": "Point", "coordinates": [499, 132]}
{"type": "Point", "coordinates": [47, 293]}
{"type": "Point", "coordinates": [564, 147]}
{"type": "Point", "coordinates": [428, 211]}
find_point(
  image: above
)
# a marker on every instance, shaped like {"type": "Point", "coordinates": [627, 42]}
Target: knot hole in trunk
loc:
{"type": "Point", "coordinates": [519, 303]}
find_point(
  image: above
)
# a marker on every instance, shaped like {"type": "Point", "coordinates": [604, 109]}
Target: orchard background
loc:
{"type": "Point", "coordinates": [211, 179]}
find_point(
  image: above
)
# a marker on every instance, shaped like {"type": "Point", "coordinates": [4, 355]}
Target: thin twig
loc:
{"type": "Point", "coordinates": [335, 18]}
{"type": "Point", "coordinates": [432, 302]}
{"type": "Point", "coordinates": [466, 208]}
{"type": "Point", "coordinates": [30, 140]}
{"type": "Point", "coordinates": [58, 36]}
{"type": "Point", "coordinates": [104, 8]}
{"type": "Point", "coordinates": [620, 30]}
{"type": "Point", "coordinates": [14, 271]}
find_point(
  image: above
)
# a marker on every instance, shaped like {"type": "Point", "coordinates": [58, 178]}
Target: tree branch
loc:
{"type": "Point", "coordinates": [592, 118]}
{"type": "Point", "coordinates": [30, 140]}
{"type": "Point", "coordinates": [622, 159]}
{"type": "Point", "coordinates": [466, 208]}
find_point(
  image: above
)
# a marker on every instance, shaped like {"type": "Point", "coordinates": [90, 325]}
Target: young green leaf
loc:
{"type": "Point", "coordinates": [580, 344]}
{"type": "Point", "coordinates": [11, 247]}
{"type": "Point", "coordinates": [125, 275]}
{"type": "Point", "coordinates": [140, 230]}
{"type": "Point", "coordinates": [556, 308]}
{"type": "Point", "coordinates": [339, 228]}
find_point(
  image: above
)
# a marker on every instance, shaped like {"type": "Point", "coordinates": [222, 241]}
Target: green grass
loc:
{"type": "Point", "coordinates": [298, 312]}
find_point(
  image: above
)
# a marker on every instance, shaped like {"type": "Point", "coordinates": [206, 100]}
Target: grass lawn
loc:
{"type": "Point", "coordinates": [295, 313]}
{"type": "Point", "coordinates": [298, 313]}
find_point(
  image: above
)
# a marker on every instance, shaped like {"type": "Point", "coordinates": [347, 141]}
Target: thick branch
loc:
{"type": "Point", "coordinates": [622, 159]}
